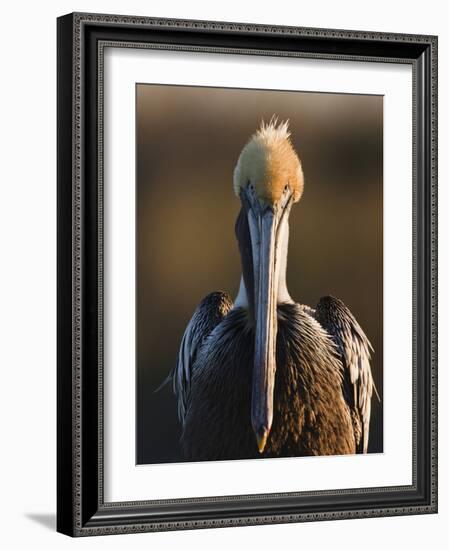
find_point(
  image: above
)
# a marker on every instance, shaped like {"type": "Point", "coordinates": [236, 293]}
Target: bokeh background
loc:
{"type": "Point", "coordinates": [188, 141]}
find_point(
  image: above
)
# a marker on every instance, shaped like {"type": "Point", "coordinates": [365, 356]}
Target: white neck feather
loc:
{"type": "Point", "coordinates": [241, 299]}
{"type": "Point", "coordinates": [281, 255]}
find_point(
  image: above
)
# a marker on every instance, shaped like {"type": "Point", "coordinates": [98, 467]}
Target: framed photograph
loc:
{"type": "Point", "coordinates": [247, 284]}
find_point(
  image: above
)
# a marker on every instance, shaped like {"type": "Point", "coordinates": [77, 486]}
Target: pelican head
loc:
{"type": "Point", "coordinates": [268, 179]}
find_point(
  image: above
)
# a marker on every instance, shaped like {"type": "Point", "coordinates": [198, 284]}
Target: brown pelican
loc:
{"type": "Point", "coordinates": [265, 376]}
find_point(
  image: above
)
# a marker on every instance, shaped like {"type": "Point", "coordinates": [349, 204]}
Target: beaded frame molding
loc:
{"type": "Point", "coordinates": [81, 510]}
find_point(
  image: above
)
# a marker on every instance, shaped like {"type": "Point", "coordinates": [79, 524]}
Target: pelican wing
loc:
{"type": "Point", "coordinates": [210, 312]}
{"type": "Point", "coordinates": [355, 352]}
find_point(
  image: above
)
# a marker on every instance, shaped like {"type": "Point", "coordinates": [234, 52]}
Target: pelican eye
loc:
{"type": "Point", "coordinates": [286, 187]}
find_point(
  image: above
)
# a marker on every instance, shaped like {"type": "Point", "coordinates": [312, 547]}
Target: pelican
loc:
{"type": "Point", "coordinates": [264, 376]}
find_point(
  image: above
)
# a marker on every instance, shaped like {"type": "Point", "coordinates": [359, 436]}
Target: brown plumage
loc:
{"type": "Point", "coordinates": [311, 415]}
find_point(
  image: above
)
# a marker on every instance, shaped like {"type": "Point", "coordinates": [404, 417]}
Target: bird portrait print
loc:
{"type": "Point", "coordinates": [259, 274]}
{"type": "Point", "coordinates": [263, 375]}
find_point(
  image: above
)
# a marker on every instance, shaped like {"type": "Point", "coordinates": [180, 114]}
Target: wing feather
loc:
{"type": "Point", "coordinates": [210, 312]}
{"type": "Point", "coordinates": [355, 351]}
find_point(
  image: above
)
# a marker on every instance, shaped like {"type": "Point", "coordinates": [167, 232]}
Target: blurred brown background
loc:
{"type": "Point", "coordinates": [188, 141]}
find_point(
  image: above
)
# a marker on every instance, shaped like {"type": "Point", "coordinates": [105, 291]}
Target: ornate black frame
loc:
{"type": "Point", "coordinates": [81, 508]}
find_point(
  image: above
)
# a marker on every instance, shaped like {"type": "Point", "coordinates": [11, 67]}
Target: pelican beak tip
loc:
{"type": "Point", "coordinates": [262, 437]}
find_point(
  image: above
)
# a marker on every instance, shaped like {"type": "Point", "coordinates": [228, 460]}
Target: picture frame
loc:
{"type": "Point", "coordinates": [81, 506]}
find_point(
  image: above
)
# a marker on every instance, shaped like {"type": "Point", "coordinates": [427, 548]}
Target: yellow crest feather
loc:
{"type": "Point", "coordinates": [270, 163]}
